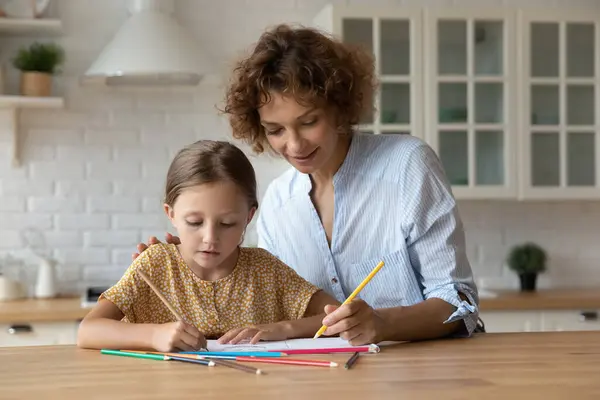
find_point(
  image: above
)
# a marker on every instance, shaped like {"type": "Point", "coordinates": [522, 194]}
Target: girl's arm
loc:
{"type": "Point", "coordinates": [305, 327]}
{"type": "Point", "coordinates": [102, 328]}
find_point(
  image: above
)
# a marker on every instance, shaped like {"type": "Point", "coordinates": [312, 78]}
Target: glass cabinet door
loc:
{"type": "Point", "coordinates": [560, 93]}
{"type": "Point", "coordinates": [469, 74]}
{"type": "Point", "coordinates": [392, 41]}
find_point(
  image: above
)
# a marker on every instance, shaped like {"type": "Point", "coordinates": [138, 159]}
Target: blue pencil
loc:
{"type": "Point", "coordinates": [236, 353]}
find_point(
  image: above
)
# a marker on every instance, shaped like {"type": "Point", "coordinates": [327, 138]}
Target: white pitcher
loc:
{"type": "Point", "coordinates": [45, 286]}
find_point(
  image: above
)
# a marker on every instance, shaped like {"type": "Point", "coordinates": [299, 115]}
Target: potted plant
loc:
{"type": "Point", "coordinates": [527, 260]}
{"type": "Point", "coordinates": [37, 63]}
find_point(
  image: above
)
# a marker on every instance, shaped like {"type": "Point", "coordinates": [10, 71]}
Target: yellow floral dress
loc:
{"type": "Point", "coordinates": [261, 289]}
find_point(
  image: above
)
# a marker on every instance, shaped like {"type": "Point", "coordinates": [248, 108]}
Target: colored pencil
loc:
{"type": "Point", "coordinates": [160, 295]}
{"type": "Point", "coordinates": [237, 353]}
{"type": "Point", "coordinates": [237, 366]}
{"type": "Point", "coordinates": [288, 361]}
{"type": "Point", "coordinates": [160, 357]}
{"type": "Point", "coordinates": [352, 360]}
{"type": "Point", "coordinates": [353, 295]}
{"type": "Point", "coordinates": [364, 349]}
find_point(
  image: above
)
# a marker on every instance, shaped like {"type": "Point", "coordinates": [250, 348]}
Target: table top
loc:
{"type": "Point", "coordinates": [548, 365]}
{"type": "Point", "coordinates": [42, 310]}
{"type": "Point", "coordinates": [543, 299]}
{"type": "Point", "coordinates": [70, 309]}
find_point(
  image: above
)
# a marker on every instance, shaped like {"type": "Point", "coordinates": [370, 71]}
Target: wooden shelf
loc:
{"type": "Point", "coordinates": [31, 102]}
{"type": "Point", "coordinates": [9, 112]}
{"type": "Point", "coordinates": [27, 27]}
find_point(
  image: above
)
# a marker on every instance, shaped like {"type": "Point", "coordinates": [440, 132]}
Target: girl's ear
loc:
{"type": "Point", "coordinates": [251, 215]}
{"type": "Point", "coordinates": [170, 214]}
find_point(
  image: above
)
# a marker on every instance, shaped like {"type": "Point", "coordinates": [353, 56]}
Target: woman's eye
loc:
{"type": "Point", "coordinates": [227, 224]}
{"type": "Point", "coordinates": [309, 123]}
{"type": "Point", "coordinates": [273, 131]}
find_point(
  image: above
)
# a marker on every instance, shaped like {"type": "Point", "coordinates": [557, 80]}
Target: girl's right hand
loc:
{"type": "Point", "coordinates": [141, 247]}
{"type": "Point", "coordinates": [177, 336]}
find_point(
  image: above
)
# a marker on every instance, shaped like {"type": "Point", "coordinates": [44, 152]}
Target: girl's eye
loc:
{"type": "Point", "coordinates": [309, 123]}
{"type": "Point", "coordinates": [192, 223]}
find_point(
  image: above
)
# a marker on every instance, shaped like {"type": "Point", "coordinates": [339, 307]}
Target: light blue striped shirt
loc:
{"type": "Point", "coordinates": [392, 203]}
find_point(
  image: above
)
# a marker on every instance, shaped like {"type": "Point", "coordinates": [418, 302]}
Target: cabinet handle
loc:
{"type": "Point", "coordinates": [589, 316]}
{"type": "Point", "coordinates": [15, 329]}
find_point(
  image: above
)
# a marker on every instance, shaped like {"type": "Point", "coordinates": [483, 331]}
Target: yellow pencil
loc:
{"type": "Point", "coordinates": [353, 295]}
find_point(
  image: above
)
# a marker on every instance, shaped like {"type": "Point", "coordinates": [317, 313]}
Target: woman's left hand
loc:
{"type": "Point", "coordinates": [254, 333]}
{"type": "Point", "coordinates": [355, 322]}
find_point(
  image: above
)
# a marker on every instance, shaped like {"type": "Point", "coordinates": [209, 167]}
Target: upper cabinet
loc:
{"type": "Point", "coordinates": [506, 98]}
{"type": "Point", "coordinates": [559, 91]}
{"type": "Point", "coordinates": [469, 92]}
{"type": "Point", "coordinates": [394, 37]}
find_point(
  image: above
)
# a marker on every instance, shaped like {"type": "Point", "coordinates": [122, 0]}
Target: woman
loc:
{"type": "Point", "coordinates": [351, 200]}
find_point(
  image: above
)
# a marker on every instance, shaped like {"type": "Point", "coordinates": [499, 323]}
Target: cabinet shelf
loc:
{"type": "Point", "coordinates": [9, 112]}
{"type": "Point", "coordinates": [26, 27]}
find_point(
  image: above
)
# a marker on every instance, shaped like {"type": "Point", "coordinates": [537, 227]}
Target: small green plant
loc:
{"type": "Point", "coordinates": [40, 57]}
{"type": "Point", "coordinates": [528, 258]}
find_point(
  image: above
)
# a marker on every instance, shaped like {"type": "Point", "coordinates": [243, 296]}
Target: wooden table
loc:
{"type": "Point", "coordinates": [552, 365]}
{"type": "Point", "coordinates": [42, 310]}
{"type": "Point", "coordinates": [543, 299]}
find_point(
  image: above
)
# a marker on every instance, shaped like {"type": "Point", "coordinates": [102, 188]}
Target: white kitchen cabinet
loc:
{"type": "Point", "coordinates": [394, 36]}
{"type": "Point", "coordinates": [470, 92]}
{"type": "Point", "coordinates": [38, 333]}
{"type": "Point", "coordinates": [511, 321]}
{"type": "Point", "coordinates": [570, 320]}
{"type": "Point", "coordinates": [541, 320]}
{"type": "Point", "coordinates": [560, 75]}
{"type": "Point", "coordinates": [507, 97]}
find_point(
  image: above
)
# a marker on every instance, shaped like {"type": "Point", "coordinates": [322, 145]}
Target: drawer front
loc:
{"type": "Point", "coordinates": [38, 334]}
{"type": "Point", "coordinates": [511, 321]}
{"type": "Point", "coordinates": [571, 320]}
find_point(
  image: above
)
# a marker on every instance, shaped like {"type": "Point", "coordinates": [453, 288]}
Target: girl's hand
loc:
{"type": "Point", "coordinates": [355, 322]}
{"type": "Point", "coordinates": [177, 336]}
{"type": "Point", "coordinates": [141, 247]}
{"type": "Point", "coordinates": [254, 333]}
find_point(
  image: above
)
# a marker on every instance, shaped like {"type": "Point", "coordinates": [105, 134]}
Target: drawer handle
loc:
{"type": "Point", "coordinates": [15, 329]}
{"type": "Point", "coordinates": [589, 316]}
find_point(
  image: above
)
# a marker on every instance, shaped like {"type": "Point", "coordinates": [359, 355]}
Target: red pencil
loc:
{"type": "Point", "coordinates": [290, 361]}
{"type": "Point", "coordinates": [365, 349]}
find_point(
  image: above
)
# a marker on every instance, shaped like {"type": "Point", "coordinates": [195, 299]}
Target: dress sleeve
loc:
{"type": "Point", "coordinates": [436, 238]}
{"type": "Point", "coordinates": [131, 289]}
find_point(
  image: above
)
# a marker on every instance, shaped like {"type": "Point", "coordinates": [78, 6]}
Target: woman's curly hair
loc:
{"type": "Point", "coordinates": [308, 65]}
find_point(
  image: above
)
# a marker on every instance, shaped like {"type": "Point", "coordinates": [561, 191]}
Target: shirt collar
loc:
{"type": "Point", "coordinates": [305, 185]}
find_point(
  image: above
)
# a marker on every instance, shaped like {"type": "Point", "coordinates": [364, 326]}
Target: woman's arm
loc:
{"type": "Point", "coordinates": [435, 242]}
{"type": "Point", "coordinates": [102, 328]}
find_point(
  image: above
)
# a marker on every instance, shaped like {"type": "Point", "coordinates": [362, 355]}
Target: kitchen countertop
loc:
{"type": "Point", "coordinates": [42, 310]}
{"type": "Point", "coordinates": [543, 299]}
{"type": "Point", "coordinates": [69, 308]}
{"type": "Point", "coordinates": [548, 365]}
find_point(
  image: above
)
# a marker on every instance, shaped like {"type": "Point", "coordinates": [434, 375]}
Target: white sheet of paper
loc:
{"type": "Point", "coordinates": [292, 344]}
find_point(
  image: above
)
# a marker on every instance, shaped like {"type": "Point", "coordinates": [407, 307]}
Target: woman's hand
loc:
{"type": "Point", "coordinates": [176, 336]}
{"type": "Point", "coordinates": [141, 247]}
{"type": "Point", "coordinates": [254, 333]}
{"type": "Point", "coordinates": [355, 322]}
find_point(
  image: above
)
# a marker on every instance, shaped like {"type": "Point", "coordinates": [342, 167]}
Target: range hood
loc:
{"type": "Point", "coordinates": [150, 49]}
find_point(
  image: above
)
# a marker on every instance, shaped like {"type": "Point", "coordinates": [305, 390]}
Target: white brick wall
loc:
{"type": "Point", "coordinates": [93, 173]}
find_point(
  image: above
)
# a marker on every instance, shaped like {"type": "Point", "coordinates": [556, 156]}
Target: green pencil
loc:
{"type": "Point", "coordinates": [160, 357]}
{"type": "Point", "coordinates": [135, 355]}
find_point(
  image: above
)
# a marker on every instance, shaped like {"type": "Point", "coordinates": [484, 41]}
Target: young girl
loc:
{"type": "Point", "coordinates": [220, 289]}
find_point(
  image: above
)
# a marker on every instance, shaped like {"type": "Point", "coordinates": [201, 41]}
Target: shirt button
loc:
{"type": "Point", "coordinates": [334, 280]}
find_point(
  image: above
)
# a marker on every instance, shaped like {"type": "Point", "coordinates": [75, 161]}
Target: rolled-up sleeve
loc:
{"type": "Point", "coordinates": [435, 237]}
